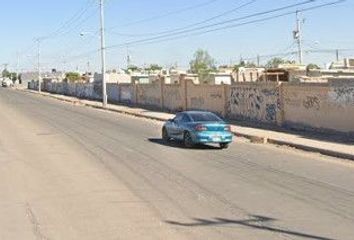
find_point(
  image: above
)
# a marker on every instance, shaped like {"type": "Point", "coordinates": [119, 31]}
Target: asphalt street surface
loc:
{"type": "Point", "coordinates": [73, 172]}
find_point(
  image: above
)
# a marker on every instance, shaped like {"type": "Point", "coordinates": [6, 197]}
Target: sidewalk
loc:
{"type": "Point", "coordinates": [257, 135]}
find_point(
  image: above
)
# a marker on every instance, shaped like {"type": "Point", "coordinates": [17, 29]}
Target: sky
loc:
{"type": "Point", "coordinates": [69, 32]}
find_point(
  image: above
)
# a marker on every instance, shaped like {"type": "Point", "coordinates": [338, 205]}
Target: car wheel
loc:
{"type": "Point", "coordinates": [165, 136]}
{"type": "Point", "coordinates": [224, 145]}
{"type": "Point", "coordinates": [188, 142]}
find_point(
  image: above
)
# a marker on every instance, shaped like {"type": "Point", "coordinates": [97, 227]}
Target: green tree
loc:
{"type": "Point", "coordinates": [72, 76]}
{"type": "Point", "coordinates": [132, 68]}
{"type": "Point", "coordinates": [244, 64]}
{"type": "Point", "coordinates": [202, 63]}
{"type": "Point", "coordinates": [154, 67]}
{"type": "Point", "coordinates": [13, 76]}
{"type": "Point", "coordinates": [275, 62]}
{"type": "Point", "coordinates": [312, 66]}
{"type": "Point", "coordinates": [20, 77]}
{"type": "Point", "coordinates": [5, 73]}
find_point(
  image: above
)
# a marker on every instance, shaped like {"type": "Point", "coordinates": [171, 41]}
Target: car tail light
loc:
{"type": "Point", "coordinates": [200, 128]}
{"type": "Point", "coordinates": [227, 128]}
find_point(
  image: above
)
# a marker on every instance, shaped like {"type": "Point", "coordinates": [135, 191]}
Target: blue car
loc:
{"type": "Point", "coordinates": [197, 127]}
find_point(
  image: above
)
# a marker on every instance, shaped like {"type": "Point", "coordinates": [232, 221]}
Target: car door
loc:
{"type": "Point", "coordinates": [174, 125]}
{"type": "Point", "coordinates": [181, 126]}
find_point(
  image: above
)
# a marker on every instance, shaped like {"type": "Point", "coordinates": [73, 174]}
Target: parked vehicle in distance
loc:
{"type": "Point", "coordinates": [7, 82]}
{"type": "Point", "coordinates": [197, 127]}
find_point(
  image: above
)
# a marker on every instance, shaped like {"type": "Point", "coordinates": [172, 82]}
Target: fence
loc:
{"type": "Point", "coordinates": [326, 106]}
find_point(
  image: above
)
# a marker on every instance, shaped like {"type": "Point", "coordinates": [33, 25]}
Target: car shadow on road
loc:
{"type": "Point", "coordinates": [178, 144]}
{"type": "Point", "coordinates": [254, 221]}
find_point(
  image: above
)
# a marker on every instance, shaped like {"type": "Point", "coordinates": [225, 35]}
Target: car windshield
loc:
{"type": "Point", "coordinates": [204, 117]}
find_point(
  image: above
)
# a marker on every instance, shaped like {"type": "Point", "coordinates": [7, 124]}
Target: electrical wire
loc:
{"type": "Point", "coordinates": [167, 14]}
{"type": "Point", "coordinates": [179, 32]}
{"type": "Point", "coordinates": [190, 25]}
{"type": "Point", "coordinates": [68, 24]}
{"type": "Point", "coordinates": [196, 31]}
{"type": "Point", "coordinates": [192, 30]}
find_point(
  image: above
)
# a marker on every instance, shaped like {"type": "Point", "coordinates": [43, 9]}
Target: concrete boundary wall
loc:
{"type": "Point", "coordinates": [316, 106]}
{"type": "Point", "coordinates": [256, 102]}
{"type": "Point", "coordinates": [206, 97]}
{"type": "Point", "coordinates": [127, 93]}
{"type": "Point", "coordinates": [319, 106]}
{"type": "Point", "coordinates": [150, 95]}
{"type": "Point", "coordinates": [174, 96]}
{"type": "Point", "coordinates": [113, 93]}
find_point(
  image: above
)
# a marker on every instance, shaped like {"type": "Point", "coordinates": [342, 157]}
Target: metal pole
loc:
{"type": "Point", "coordinates": [128, 58]}
{"type": "Point", "coordinates": [18, 67]}
{"type": "Point", "coordinates": [103, 55]}
{"type": "Point", "coordinates": [337, 55]}
{"type": "Point", "coordinates": [88, 67]}
{"type": "Point", "coordinates": [299, 37]}
{"type": "Point", "coordinates": [39, 64]}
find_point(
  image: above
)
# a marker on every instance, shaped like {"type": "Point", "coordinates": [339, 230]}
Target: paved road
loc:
{"type": "Point", "coordinates": [72, 172]}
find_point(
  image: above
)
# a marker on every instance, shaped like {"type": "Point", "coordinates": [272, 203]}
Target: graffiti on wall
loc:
{"type": "Point", "coordinates": [342, 95]}
{"type": "Point", "coordinates": [206, 97]}
{"type": "Point", "coordinates": [255, 103]}
{"type": "Point", "coordinates": [271, 112]}
{"type": "Point", "coordinates": [216, 96]}
{"type": "Point", "coordinates": [312, 102]}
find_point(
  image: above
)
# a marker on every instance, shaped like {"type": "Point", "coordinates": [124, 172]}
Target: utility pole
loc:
{"type": "Point", "coordinates": [64, 65]}
{"type": "Point", "coordinates": [129, 59]}
{"type": "Point", "coordinates": [88, 67]}
{"type": "Point", "coordinates": [298, 37]}
{"type": "Point", "coordinates": [18, 67]}
{"type": "Point", "coordinates": [258, 61]}
{"type": "Point", "coordinates": [103, 55]}
{"type": "Point", "coordinates": [337, 55]}
{"type": "Point", "coordinates": [39, 63]}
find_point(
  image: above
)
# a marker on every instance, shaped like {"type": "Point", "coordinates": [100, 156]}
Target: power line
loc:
{"type": "Point", "coordinates": [178, 32]}
{"type": "Point", "coordinates": [211, 27]}
{"type": "Point", "coordinates": [196, 31]}
{"type": "Point", "coordinates": [307, 51]}
{"type": "Point", "coordinates": [153, 18]}
{"type": "Point", "coordinates": [191, 25]}
{"type": "Point", "coordinates": [72, 25]}
{"type": "Point", "coordinates": [76, 17]}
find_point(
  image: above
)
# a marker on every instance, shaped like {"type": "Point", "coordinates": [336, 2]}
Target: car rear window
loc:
{"type": "Point", "coordinates": [204, 117]}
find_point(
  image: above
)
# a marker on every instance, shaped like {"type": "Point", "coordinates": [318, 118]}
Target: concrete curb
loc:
{"type": "Point", "coordinates": [57, 97]}
{"type": "Point", "coordinates": [322, 151]}
{"type": "Point", "coordinates": [252, 138]}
